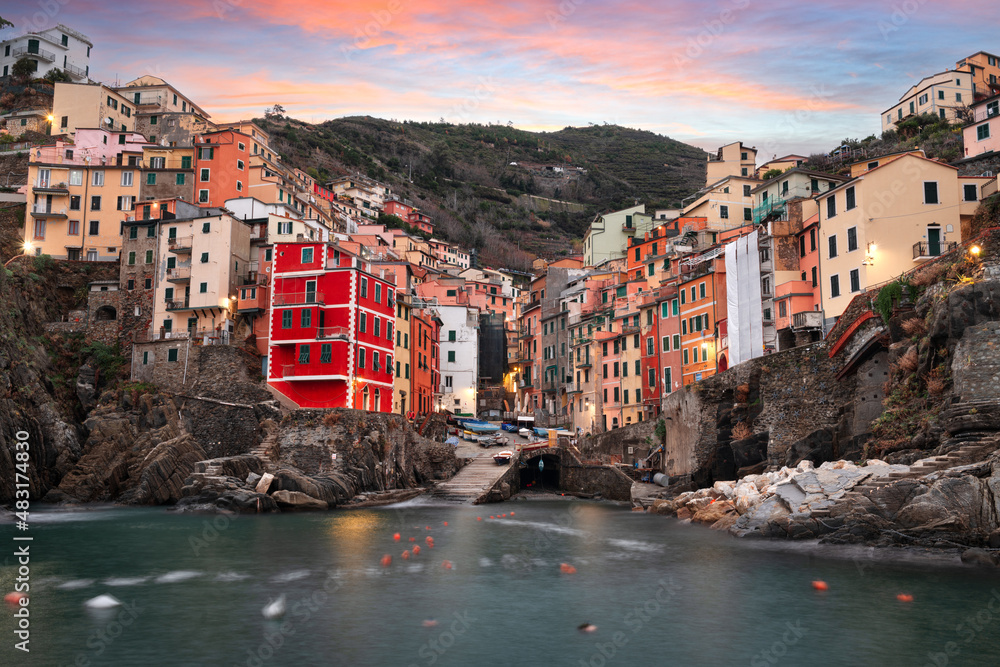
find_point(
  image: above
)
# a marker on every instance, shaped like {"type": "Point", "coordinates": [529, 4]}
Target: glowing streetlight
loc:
{"type": "Point", "coordinates": [975, 250]}
{"type": "Point", "coordinates": [27, 249]}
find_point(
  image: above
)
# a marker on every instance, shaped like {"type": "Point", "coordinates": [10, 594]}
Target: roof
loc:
{"type": "Point", "coordinates": [823, 195]}
{"type": "Point", "coordinates": [798, 170]}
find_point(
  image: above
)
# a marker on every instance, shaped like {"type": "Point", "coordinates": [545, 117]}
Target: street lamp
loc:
{"type": "Point", "coordinates": [51, 119]}
{"type": "Point", "coordinates": [27, 249]}
{"type": "Point", "coordinates": [975, 250]}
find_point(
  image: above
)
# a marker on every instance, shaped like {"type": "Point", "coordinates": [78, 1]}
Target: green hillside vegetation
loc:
{"type": "Point", "coordinates": [463, 177]}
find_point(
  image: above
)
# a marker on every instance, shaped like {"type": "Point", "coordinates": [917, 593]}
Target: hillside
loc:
{"type": "Point", "coordinates": [490, 187]}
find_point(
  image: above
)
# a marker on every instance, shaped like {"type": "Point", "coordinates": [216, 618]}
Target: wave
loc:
{"type": "Point", "coordinates": [125, 581]}
{"type": "Point", "coordinates": [294, 575]}
{"type": "Point", "coordinates": [76, 584]}
{"type": "Point", "coordinates": [231, 576]}
{"type": "Point", "coordinates": [636, 545]}
{"type": "Point", "coordinates": [177, 575]}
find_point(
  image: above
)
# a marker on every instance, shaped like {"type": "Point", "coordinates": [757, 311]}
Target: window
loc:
{"type": "Point", "coordinates": [378, 292]}
{"type": "Point", "coordinates": [831, 206]}
{"type": "Point", "coordinates": [958, 96]}
{"type": "Point", "coordinates": [923, 99]}
{"type": "Point", "coordinates": [694, 350]}
{"type": "Point", "coordinates": [983, 132]}
{"type": "Point", "coordinates": [930, 192]}
{"type": "Point", "coordinates": [149, 257]}
{"type": "Point", "coordinates": [451, 356]}
{"type": "Point", "coordinates": [802, 246]}
{"type": "Point", "coordinates": [851, 202]}
{"type": "Point", "coordinates": [684, 327]}
{"type": "Point", "coordinates": [73, 228]}
{"type": "Point", "coordinates": [362, 322]}
{"type": "Point", "coordinates": [693, 297]}
{"type": "Point", "coordinates": [97, 178]}
{"type": "Point", "coordinates": [203, 196]}
{"type": "Point", "coordinates": [304, 354]}
{"type": "Point", "coordinates": [812, 240]}
{"type": "Point", "coordinates": [701, 290]}
{"type": "Point", "coordinates": [685, 355]}
{"type": "Point", "coordinates": [361, 357]}
{"type": "Point", "coordinates": [95, 203]}
{"type": "Point", "coordinates": [203, 288]}
{"type": "Point", "coordinates": [305, 317]}
{"type": "Point", "coordinates": [665, 343]}
{"type": "Point", "coordinates": [782, 309]}
{"type": "Point", "coordinates": [724, 211]}
{"type": "Point", "coordinates": [150, 232]}
{"type": "Point", "coordinates": [180, 178]}
{"type": "Point", "coordinates": [815, 277]}
{"type": "Point", "coordinates": [239, 165]}
{"type": "Point", "coordinates": [969, 191]}
{"type": "Point", "coordinates": [677, 341]}
{"type": "Point", "coordinates": [131, 258]}
{"type": "Point", "coordinates": [206, 153]}
{"type": "Point", "coordinates": [307, 255]}
{"type": "Point", "coordinates": [151, 178]}
{"type": "Point", "coordinates": [617, 395]}
{"type": "Point", "coordinates": [95, 228]}
{"type": "Point", "coordinates": [204, 258]}
{"type": "Point", "coordinates": [205, 174]}
{"type": "Point", "coordinates": [172, 353]}
{"type": "Point", "coordinates": [624, 369]}
{"type": "Point", "coordinates": [834, 286]}
{"type": "Point", "coordinates": [325, 353]}
{"type": "Point", "coordinates": [855, 281]}
{"type": "Point", "coordinates": [832, 241]}
{"type": "Point", "coordinates": [940, 94]}
{"type": "Point", "coordinates": [746, 190]}
{"type": "Point", "coordinates": [378, 326]}
{"type": "Point", "coordinates": [364, 287]}
{"type": "Point", "coordinates": [852, 239]}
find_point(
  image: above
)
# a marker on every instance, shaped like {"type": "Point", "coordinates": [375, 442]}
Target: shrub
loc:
{"type": "Point", "coordinates": [742, 393]}
{"type": "Point", "coordinates": [909, 362]}
{"type": "Point", "coordinates": [915, 326]}
{"type": "Point", "coordinates": [331, 419]}
{"type": "Point", "coordinates": [741, 431]}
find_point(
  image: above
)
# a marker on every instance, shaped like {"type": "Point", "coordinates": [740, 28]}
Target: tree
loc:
{"type": "Point", "coordinates": [772, 173]}
{"type": "Point", "coordinates": [55, 75]}
{"type": "Point", "coordinates": [271, 113]}
{"type": "Point", "coordinates": [24, 68]}
{"type": "Point", "coordinates": [4, 23]}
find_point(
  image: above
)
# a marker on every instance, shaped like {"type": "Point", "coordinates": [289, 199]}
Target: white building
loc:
{"type": "Point", "coordinates": [459, 345]}
{"type": "Point", "coordinates": [56, 48]}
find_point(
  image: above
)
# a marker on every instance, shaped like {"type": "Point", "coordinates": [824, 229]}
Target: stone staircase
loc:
{"type": "Point", "coordinates": [474, 480]}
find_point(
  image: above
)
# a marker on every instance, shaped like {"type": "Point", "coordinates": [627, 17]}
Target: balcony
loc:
{"type": "Point", "coordinates": [179, 305]}
{"type": "Point", "coordinates": [40, 210]}
{"type": "Point", "coordinates": [298, 299]}
{"type": "Point", "coordinates": [198, 336]}
{"type": "Point", "coordinates": [74, 71]}
{"type": "Point", "coordinates": [46, 186]}
{"type": "Point", "coordinates": [23, 51]}
{"type": "Point", "coordinates": [179, 245]}
{"type": "Point", "coordinates": [810, 319]}
{"type": "Point", "coordinates": [148, 100]}
{"type": "Point", "coordinates": [923, 250]}
{"type": "Point", "coordinates": [179, 274]}
{"type": "Point", "coordinates": [321, 371]}
{"type": "Point", "coordinates": [333, 333]}
{"type": "Point", "coordinates": [252, 299]}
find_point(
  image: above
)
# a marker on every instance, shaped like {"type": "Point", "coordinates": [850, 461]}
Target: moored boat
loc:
{"type": "Point", "coordinates": [541, 432]}
{"type": "Point", "coordinates": [503, 457]}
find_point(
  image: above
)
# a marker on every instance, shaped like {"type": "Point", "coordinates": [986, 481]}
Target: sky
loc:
{"type": "Point", "coordinates": [783, 76]}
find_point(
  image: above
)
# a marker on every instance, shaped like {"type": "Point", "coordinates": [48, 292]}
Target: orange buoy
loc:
{"type": "Point", "coordinates": [820, 585]}
{"type": "Point", "coordinates": [512, 514]}
{"type": "Point", "coordinates": [416, 550]}
{"type": "Point", "coordinates": [903, 597]}
{"type": "Point", "coordinates": [492, 517]}
{"type": "Point", "coordinates": [479, 518]}
{"type": "Point", "coordinates": [504, 515]}
{"type": "Point", "coordinates": [428, 527]}
{"type": "Point", "coordinates": [566, 568]}
{"type": "Point", "coordinates": [413, 539]}
{"type": "Point", "coordinates": [396, 537]}
{"type": "Point", "coordinates": [14, 598]}
{"type": "Point", "coordinates": [446, 523]}
{"type": "Point", "coordinates": [406, 555]}
{"type": "Point", "coordinates": [446, 564]}
{"type": "Point", "coordinates": [386, 560]}
{"type": "Point", "coordinates": [430, 623]}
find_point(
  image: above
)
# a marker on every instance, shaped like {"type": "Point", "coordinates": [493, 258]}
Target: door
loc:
{"type": "Point", "coordinates": [933, 241]}
{"type": "Point", "coordinates": [33, 46]}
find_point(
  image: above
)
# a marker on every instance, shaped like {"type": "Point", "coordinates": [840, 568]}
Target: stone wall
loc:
{"type": "Point", "coordinates": [975, 166]}
{"type": "Point", "coordinates": [614, 445]}
{"type": "Point", "coordinates": [605, 481]}
{"type": "Point", "coordinates": [103, 309]}
{"type": "Point", "coordinates": [975, 368]}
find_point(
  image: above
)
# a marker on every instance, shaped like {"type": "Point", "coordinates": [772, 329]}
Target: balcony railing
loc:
{"type": "Point", "coordinates": [925, 250]}
{"type": "Point", "coordinates": [202, 336]}
{"type": "Point", "coordinates": [148, 100]}
{"type": "Point", "coordinates": [182, 244]}
{"type": "Point", "coordinates": [74, 70]}
{"type": "Point", "coordinates": [178, 274]}
{"type": "Point", "coordinates": [180, 304]}
{"type": "Point", "coordinates": [41, 53]}
{"type": "Point", "coordinates": [810, 319]}
{"type": "Point", "coordinates": [298, 298]}
{"type": "Point", "coordinates": [327, 333]}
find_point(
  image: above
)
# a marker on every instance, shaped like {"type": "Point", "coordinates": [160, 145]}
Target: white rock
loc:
{"type": "Point", "coordinates": [725, 488]}
{"type": "Point", "coordinates": [265, 482]}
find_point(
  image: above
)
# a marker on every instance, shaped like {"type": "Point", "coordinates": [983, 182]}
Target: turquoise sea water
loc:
{"type": "Point", "coordinates": [660, 593]}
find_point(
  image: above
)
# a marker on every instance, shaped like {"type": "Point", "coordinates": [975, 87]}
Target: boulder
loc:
{"type": "Point", "coordinates": [252, 479]}
{"type": "Point", "coordinates": [296, 500]}
{"type": "Point", "coordinates": [754, 522]}
{"type": "Point", "coordinates": [746, 496]}
{"type": "Point", "coordinates": [979, 557]}
{"type": "Point", "coordinates": [264, 483]}
{"type": "Point", "coordinates": [663, 506]}
{"type": "Point", "coordinates": [713, 512]}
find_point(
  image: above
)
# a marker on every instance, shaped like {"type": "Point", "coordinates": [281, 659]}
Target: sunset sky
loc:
{"type": "Point", "coordinates": [782, 76]}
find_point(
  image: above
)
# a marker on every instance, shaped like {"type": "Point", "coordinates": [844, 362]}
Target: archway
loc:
{"type": "Point", "coordinates": [364, 399]}
{"type": "Point", "coordinates": [106, 314]}
{"type": "Point", "coordinates": [541, 473]}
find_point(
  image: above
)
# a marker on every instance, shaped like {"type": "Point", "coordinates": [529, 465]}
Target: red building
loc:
{"type": "Point", "coordinates": [425, 358]}
{"type": "Point", "coordinates": [331, 320]}
{"type": "Point", "coordinates": [222, 167]}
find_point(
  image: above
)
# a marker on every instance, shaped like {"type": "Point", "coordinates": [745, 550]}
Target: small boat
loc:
{"type": "Point", "coordinates": [510, 428]}
{"type": "Point", "coordinates": [504, 457]}
{"type": "Point", "coordinates": [541, 432]}
{"type": "Point", "coordinates": [478, 426]}
{"type": "Point", "coordinates": [526, 433]}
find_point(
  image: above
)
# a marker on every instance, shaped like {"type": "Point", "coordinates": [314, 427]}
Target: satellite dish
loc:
{"type": "Point", "coordinates": [109, 120]}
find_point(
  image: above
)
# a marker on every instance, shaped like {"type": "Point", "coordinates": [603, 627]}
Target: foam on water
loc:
{"type": "Point", "coordinates": [231, 576]}
{"type": "Point", "coordinates": [543, 526]}
{"type": "Point", "coordinates": [177, 575]}
{"type": "Point", "coordinates": [125, 581]}
{"type": "Point", "coordinates": [485, 562]}
{"type": "Point", "coordinates": [76, 584]}
{"type": "Point", "coordinates": [635, 545]}
{"type": "Point", "coordinates": [294, 575]}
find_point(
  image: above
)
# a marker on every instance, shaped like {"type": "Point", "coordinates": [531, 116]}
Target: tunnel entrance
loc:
{"type": "Point", "coordinates": [541, 473]}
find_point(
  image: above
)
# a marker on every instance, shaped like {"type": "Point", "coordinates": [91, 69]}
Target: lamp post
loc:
{"type": "Point", "coordinates": [27, 249]}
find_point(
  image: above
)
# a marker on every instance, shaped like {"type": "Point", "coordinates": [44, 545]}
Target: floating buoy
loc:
{"type": "Point", "coordinates": [820, 585]}
{"type": "Point", "coordinates": [504, 516]}
{"type": "Point", "coordinates": [413, 539]}
{"type": "Point", "coordinates": [14, 598]}
{"type": "Point", "coordinates": [275, 608]}
{"type": "Point", "coordinates": [396, 537]}
{"type": "Point", "coordinates": [416, 550]}
{"type": "Point", "coordinates": [566, 568]}
{"type": "Point", "coordinates": [428, 527]}
{"type": "Point", "coordinates": [446, 564]}
{"type": "Point", "coordinates": [587, 627]}
{"type": "Point", "coordinates": [492, 517]}
{"type": "Point", "coordinates": [512, 514]}
{"type": "Point", "coordinates": [103, 602]}
{"type": "Point", "coordinates": [446, 523]}
{"type": "Point", "coordinates": [903, 597]}
{"type": "Point", "coordinates": [406, 555]}
{"type": "Point", "coordinates": [479, 518]}
{"type": "Point", "coordinates": [430, 623]}
{"type": "Point", "coordinates": [386, 560]}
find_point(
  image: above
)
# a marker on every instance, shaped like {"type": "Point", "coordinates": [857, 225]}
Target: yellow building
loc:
{"type": "Point", "coordinates": [886, 222]}
{"type": "Point", "coordinates": [401, 391]}
{"type": "Point", "coordinates": [733, 159]}
{"type": "Point", "coordinates": [81, 192]}
{"type": "Point", "coordinates": [199, 264]}
{"type": "Point", "coordinates": [943, 94]}
{"type": "Point", "coordinates": [861, 166]}
{"type": "Point", "coordinates": [725, 204]}
{"type": "Point", "coordinates": [83, 105]}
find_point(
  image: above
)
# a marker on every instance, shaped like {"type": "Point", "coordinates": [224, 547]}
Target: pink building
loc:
{"type": "Point", "coordinates": [982, 135]}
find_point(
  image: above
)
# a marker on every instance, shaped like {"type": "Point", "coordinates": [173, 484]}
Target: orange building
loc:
{"type": "Point", "coordinates": [702, 303]}
{"type": "Point", "coordinates": [222, 167]}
